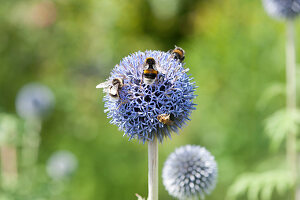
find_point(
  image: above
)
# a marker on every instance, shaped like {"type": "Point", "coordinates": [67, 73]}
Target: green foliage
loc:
{"type": "Point", "coordinates": [140, 197]}
{"type": "Point", "coordinates": [10, 129]}
{"type": "Point", "coordinates": [279, 124]}
{"type": "Point", "coordinates": [233, 49]}
{"type": "Point", "coordinates": [275, 90]}
{"type": "Point", "coordinates": [261, 185]}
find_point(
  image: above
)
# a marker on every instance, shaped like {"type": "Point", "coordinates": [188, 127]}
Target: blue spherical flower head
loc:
{"type": "Point", "coordinates": [146, 110]}
{"type": "Point", "coordinates": [190, 172]}
{"type": "Point", "coordinates": [34, 101]}
{"type": "Point", "coordinates": [282, 8]}
{"type": "Point", "coordinates": [61, 165]}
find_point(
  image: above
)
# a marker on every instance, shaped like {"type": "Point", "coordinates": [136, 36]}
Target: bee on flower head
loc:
{"type": "Point", "coordinates": [149, 71]}
{"type": "Point", "coordinates": [136, 111]}
{"type": "Point", "coordinates": [177, 53]}
{"type": "Point", "coordinates": [167, 119]}
{"type": "Point", "coordinates": [112, 87]}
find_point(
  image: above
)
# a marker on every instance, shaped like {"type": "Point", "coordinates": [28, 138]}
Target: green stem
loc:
{"type": "Point", "coordinates": [31, 142]}
{"type": "Point", "coordinates": [153, 170]}
{"type": "Point", "coordinates": [291, 96]}
{"type": "Point", "coordinates": [9, 166]}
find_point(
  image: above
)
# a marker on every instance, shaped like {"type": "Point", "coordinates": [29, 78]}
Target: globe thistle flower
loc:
{"type": "Point", "coordinates": [34, 101]}
{"type": "Point", "coordinates": [190, 172]}
{"type": "Point", "coordinates": [61, 164]}
{"type": "Point", "coordinates": [146, 110]}
{"type": "Point", "coordinates": [282, 8]}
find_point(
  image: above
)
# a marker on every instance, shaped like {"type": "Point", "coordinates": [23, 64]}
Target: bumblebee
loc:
{"type": "Point", "coordinates": [177, 53]}
{"type": "Point", "coordinates": [167, 119]}
{"type": "Point", "coordinates": [112, 87]}
{"type": "Point", "coordinates": [149, 71]}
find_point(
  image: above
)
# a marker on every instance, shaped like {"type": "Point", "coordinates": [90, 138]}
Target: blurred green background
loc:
{"type": "Point", "coordinates": [233, 49]}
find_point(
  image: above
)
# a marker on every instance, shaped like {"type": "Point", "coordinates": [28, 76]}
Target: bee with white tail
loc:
{"type": "Point", "coordinates": [177, 53]}
{"type": "Point", "coordinates": [149, 71]}
{"type": "Point", "coordinates": [112, 87]}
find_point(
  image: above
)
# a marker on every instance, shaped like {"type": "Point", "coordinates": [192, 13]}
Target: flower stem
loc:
{"type": "Point", "coordinates": [9, 165]}
{"type": "Point", "coordinates": [31, 142]}
{"type": "Point", "coordinates": [153, 170]}
{"type": "Point", "coordinates": [291, 96]}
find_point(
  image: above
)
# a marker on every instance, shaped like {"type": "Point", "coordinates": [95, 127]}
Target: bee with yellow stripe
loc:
{"type": "Point", "coordinates": [150, 71]}
{"type": "Point", "coordinates": [177, 53]}
{"type": "Point", "coordinates": [167, 119]}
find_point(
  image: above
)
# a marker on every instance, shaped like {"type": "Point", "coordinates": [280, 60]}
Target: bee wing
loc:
{"type": "Point", "coordinates": [170, 51]}
{"type": "Point", "coordinates": [113, 90]}
{"type": "Point", "coordinates": [103, 85]}
{"type": "Point", "coordinates": [160, 69]}
{"type": "Point", "coordinates": [106, 90]}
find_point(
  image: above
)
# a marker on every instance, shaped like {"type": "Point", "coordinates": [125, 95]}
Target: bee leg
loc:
{"type": "Point", "coordinates": [175, 79]}
{"type": "Point", "coordinates": [141, 83]}
{"type": "Point", "coordinates": [168, 95]}
{"type": "Point", "coordinates": [119, 105]}
{"type": "Point", "coordinates": [122, 102]}
{"type": "Point", "coordinates": [170, 57]}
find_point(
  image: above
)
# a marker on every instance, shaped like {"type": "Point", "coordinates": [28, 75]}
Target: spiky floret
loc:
{"type": "Point", "coordinates": [282, 8]}
{"type": "Point", "coordinates": [136, 111]}
{"type": "Point", "coordinates": [190, 172]}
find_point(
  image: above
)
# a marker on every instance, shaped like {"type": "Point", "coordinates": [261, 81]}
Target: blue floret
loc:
{"type": "Point", "coordinates": [282, 8]}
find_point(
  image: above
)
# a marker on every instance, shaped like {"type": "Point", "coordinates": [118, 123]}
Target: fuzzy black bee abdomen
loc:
{"type": "Point", "coordinates": [150, 75]}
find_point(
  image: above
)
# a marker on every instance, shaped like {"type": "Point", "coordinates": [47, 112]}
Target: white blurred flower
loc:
{"type": "Point", "coordinates": [34, 101]}
{"type": "Point", "coordinates": [61, 165]}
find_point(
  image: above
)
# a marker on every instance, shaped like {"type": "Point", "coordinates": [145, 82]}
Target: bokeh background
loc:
{"type": "Point", "coordinates": [234, 51]}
